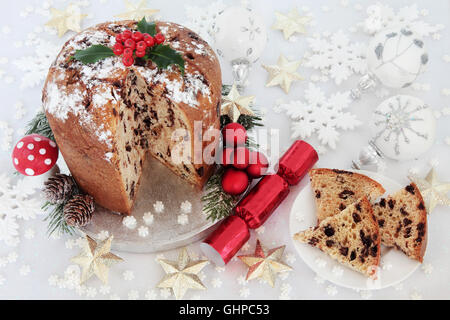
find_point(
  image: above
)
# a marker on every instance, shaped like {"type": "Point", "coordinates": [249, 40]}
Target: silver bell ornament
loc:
{"type": "Point", "coordinates": [403, 128]}
{"type": "Point", "coordinates": [395, 58]}
{"type": "Point", "coordinates": [240, 38]}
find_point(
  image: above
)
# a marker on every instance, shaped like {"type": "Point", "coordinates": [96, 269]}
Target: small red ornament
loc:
{"type": "Point", "coordinates": [234, 182]}
{"type": "Point", "coordinates": [34, 155]}
{"type": "Point", "coordinates": [241, 158]}
{"type": "Point", "coordinates": [234, 134]}
{"type": "Point", "coordinates": [126, 34]}
{"type": "Point", "coordinates": [127, 61]}
{"type": "Point", "coordinates": [149, 40]}
{"type": "Point", "coordinates": [119, 38]}
{"type": "Point", "coordinates": [226, 156]}
{"type": "Point", "coordinates": [137, 36]}
{"type": "Point", "coordinates": [140, 53]}
{"type": "Point", "coordinates": [159, 38]}
{"type": "Point", "coordinates": [118, 49]}
{"type": "Point", "coordinates": [128, 52]}
{"type": "Point", "coordinates": [258, 165]}
{"type": "Point", "coordinates": [130, 43]}
{"type": "Point", "coordinates": [141, 46]}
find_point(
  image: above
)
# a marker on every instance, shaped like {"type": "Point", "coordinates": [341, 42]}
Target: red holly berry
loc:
{"type": "Point", "coordinates": [118, 49]}
{"type": "Point", "coordinates": [130, 43]}
{"type": "Point", "coordinates": [159, 38]}
{"type": "Point", "coordinates": [226, 156]}
{"type": "Point", "coordinates": [141, 46]}
{"type": "Point", "coordinates": [149, 40]}
{"type": "Point", "coordinates": [137, 36]}
{"type": "Point", "coordinates": [140, 53]}
{"type": "Point", "coordinates": [234, 134]}
{"type": "Point", "coordinates": [127, 61]}
{"type": "Point", "coordinates": [258, 165]}
{"type": "Point", "coordinates": [241, 158]}
{"type": "Point", "coordinates": [119, 38]}
{"type": "Point", "coordinates": [234, 182]}
{"type": "Point", "coordinates": [34, 155]}
{"type": "Point", "coordinates": [126, 35]}
{"type": "Point", "coordinates": [128, 52]}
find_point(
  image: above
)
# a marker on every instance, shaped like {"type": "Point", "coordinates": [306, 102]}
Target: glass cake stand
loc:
{"type": "Point", "coordinates": [168, 230]}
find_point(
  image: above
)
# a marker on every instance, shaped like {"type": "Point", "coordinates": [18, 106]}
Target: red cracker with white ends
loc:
{"type": "Point", "coordinates": [34, 155]}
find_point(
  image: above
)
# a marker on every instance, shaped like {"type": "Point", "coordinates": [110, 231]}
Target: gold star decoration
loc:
{"type": "Point", "coordinates": [283, 73]}
{"type": "Point", "coordinates": [181, 275]}
{"type": "Point", "coordinates": [434, 192]}
{"type": "Point", "coordinates": [291, 23]}
{"type": "Point", "coordinates": [96, 258]}
{"type": "Point", "coordinates": [68, 19]}
{"type": "Point", "coordinates": [137, 11]}
{"type": "Point", "coordinates": [265, 264]}
{"type": "Point", "coordinates": [233, 105]}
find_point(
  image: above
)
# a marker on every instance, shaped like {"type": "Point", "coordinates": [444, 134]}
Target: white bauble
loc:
{"type": "Point", "coordinates": [403, 127]}
{"type": "Point", "coordinates": [239, 34]}
{"type": "Point", "coordinates": [396, 57]}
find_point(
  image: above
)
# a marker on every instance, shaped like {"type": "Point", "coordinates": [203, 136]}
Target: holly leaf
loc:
{"type": "Point", "coordinates": [164, 56]}
{"type": "Point", "coordinates": [145, 27]}
{"type": "Point", "coordinates": [93, 54]}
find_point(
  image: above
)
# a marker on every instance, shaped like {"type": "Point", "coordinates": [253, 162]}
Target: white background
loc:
{"type": "Point", "coordinates": [49, 257]}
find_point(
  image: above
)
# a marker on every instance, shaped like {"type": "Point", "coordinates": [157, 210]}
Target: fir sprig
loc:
{"type": "Point", "coordinates": [217, 203]}
{"type": "Point", "coordinates": [39, 125]}
{"type": "Point", "coordinates": [55, 218]}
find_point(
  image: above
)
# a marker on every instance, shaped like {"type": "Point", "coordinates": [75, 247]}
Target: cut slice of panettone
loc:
{"type": "Point", "coordinates": [402, 219]}
{"type": "Point", "coordinates": [334, 190]}
{"type": "Point", "coordinates": [350, 237]}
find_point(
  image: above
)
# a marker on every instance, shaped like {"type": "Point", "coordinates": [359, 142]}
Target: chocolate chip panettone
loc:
{"type": "Point", "coordinates": [335, 189]}
{"type": "Point", "coordinates": [107, 117]}
{"type": "Point", "coordinates": [350, 237]}
{"type": "Point", "coordinates": [403, 222]}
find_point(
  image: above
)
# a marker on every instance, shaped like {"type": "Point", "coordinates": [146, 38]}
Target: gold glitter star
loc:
{"type": "Point", "coordinates": [265, 264]}
{"type": "Point", "coordinates": [68, 19]}
{"type": "Point", "coordinates": [137, 11]}
{"type": "Point", "coordinates": [181, 275]}
{"type": "Point", "coordinates": [434, 192]}
{"type": "Point", "coordinates": [283, 73]}
{"type": "Point", "coordinates": [96, 258]}
{"type": "Point", "coordinates": [291, 23]}
{"type": "Point", "coordinates": [233, 105]}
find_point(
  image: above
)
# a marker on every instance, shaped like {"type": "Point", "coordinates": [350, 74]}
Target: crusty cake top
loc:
{"type": "Point", "coordinates": [75, 88]}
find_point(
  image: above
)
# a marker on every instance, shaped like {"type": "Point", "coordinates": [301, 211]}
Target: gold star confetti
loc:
{"type": "Point", "coordinates": [283, 73]}
{"type": "Point", "coordinates": [68, 19]}
{"type": "Point", "coordinates": [233, 105]}
{"type": "Point", "coordinates": [96, 258]}
{"type": "Point", "coordinates": [137, 11]}
{"type": "Point", "coordinates": [291, 23]}
{"type": "Point", "coordinates": [434, 192]}
{"type": "Point", "coordinates": [265, 264]}
{"type": "Point", "coordinates": [181, 275]}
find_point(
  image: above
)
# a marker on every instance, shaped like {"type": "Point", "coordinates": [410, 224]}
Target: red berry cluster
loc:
{"type": "Point", "coordinates": [134, 44]}
{"type": "Point", "coordinates": [241, 163]}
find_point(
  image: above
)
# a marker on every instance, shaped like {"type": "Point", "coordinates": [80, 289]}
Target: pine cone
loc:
{"type": "Point", "coordinates": [78, 210]}
{"type": "Point", "coordinates": [58, 188]}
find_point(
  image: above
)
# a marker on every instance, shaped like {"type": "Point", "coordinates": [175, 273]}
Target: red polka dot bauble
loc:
{"type": "Point", "coordinates": [234, 134]}
{"type": "Point", "coordinates": [234, 182]}
{"type": "Point", "coordinates": [34, 155]}
{"type": "Point", "coordinates": [258, 165]}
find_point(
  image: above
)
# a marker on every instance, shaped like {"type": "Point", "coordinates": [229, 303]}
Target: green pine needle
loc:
{"type": "Point", "coordinates": [217, 203]}
{"type": "Point", "coordinates": [39, 125]}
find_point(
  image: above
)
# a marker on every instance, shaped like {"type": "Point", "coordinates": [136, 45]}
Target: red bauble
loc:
{"type": "Point", "coordinates": [258, 165]}
{"type": "Point", "coordinates": [226, 156]}
{"type": "Point", "coordinates": [234, 134]}
{"type": "Point", "coordinates": [241, 158]}
{"type": "Point", "coordinates": [34, 155]}
{"type": "Point", "coordinates": [234, 182]}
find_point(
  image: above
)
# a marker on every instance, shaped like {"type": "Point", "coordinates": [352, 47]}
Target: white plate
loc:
{"type": "Point", "coordinates": [394, 267]}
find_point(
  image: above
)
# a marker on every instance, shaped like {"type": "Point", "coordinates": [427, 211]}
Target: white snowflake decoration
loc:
{"type": "Point", "coordinates": [35, 67]}
{"type": "Point", "coordinates": [335, 56]}
{"type": "Point", "coordinates": [381, 16]}
{"type": "Point", "coordinates": [202, 19]}
{"type": "Point", "coordinates": [320, 115]}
